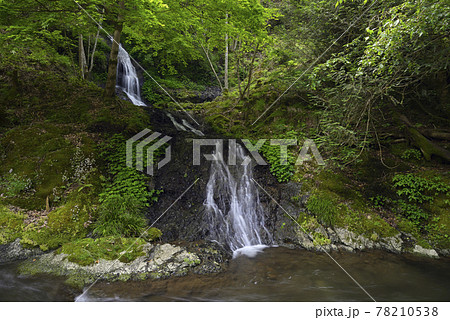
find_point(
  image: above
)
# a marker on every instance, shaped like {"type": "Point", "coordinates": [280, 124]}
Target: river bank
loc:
{"type": "Point", "coordinates": [276, 274]}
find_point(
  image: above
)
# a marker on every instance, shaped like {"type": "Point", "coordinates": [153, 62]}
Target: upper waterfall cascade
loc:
{"type": "Point", "coordinates": [236, 217]}
{"type": "Point", "coordinates": [128, 81]}
{"type": "Point", "coordinates": [127, 78]}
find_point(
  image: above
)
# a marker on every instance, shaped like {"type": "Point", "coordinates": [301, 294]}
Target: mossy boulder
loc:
{"type": "Point", "coordinates": [46, 157]}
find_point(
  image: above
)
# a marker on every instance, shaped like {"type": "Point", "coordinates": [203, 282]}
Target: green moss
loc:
{"type": "Point", "coordinates": [438, 230]}
{"type": "Point", "coordinates": [191, 262]}
{"type": "Point", "coordinates": [367, 222]}
{"type": "Point", "coordinates": [11, 225]}
{"type": "Point", "coordinates": [142, 276]}
{"type": "Point", "coordinates": [338, 183]}
{"type": "Point", "coordinates": [323, 207]}
{"type": "Point", "coordinates": [335, 201]}
{"type": "Point", "coordinates": [124, 277]}
{"type": "Point", "coordinates": [152, 234]}
{"type": "Point", "coordinates": [46, 156]}
{"type": "Point", "coordinates": [79, 281]}
{"type": "Point", "coordinates": [60, 226]}
{"type": "Point", "coordinates": [156, 275]}
{"type": "Point", "coordinates": [87, 251]}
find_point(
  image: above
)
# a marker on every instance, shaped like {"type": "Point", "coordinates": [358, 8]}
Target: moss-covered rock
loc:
{"type": "Point", "coordinates": [102, 261]}
{"type": "Point", "coordinates": [88, 251]}
{"type": "Point", "coordinates": [11, 225]}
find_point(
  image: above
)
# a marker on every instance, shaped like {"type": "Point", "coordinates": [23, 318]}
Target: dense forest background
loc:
{"type": "Point", "coordinates": [367, 81]}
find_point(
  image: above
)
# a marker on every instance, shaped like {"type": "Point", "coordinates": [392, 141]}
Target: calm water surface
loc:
{"type": "Point", "coordinates": [277, 274]}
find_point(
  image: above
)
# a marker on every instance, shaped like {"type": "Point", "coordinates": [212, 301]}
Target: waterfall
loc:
{"type": "Point", "coordinates": [236, 217]}
{"type": "Point", "coordinates": [128, 81]}
{"type": "Point", "coordinates": [127, 78]}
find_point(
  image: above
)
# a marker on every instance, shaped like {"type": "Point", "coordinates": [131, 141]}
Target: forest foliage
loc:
{"type": "Point", "coordinates": [366, 80]}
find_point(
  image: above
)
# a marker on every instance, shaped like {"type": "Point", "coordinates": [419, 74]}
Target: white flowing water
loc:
{"type": "Point", "coordinates": [236, 217]}
{"type": "Point", "coordinates": [279, 274]}
{"type": "Point", "coordinates": [128, 81]}
{"type": "Point", "coordinates": [127, 78]}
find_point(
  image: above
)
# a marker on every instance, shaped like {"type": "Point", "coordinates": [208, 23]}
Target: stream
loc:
{"type": "Point", "coordinates": [257, 272]}
{"type": "Point", "coordinates": [277, 274]}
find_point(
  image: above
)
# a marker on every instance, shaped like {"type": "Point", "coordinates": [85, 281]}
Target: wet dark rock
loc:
{"type": "Point", "coordinates": [181, 214]}
{"type": "Point", "coordinates": [209, 94]}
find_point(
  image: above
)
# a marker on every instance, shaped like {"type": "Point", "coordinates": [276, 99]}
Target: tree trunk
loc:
{"type": "Point", "coordinates": [212, 67]}
{"type": "Point", "coordinates": [238, 76]}
{"type": "Point", "coordinates": [111, 80]}
{"type": "Point", "coordinates": [82, 57]}
{"type": "Point", "coordinates": [250, 74]}
{"type": "Point", "coordinates": [91, 63]}
{"type": "Point", "coordinates": [226, 58]}
{"type": "Point", "coordinates": [427, 147]}
{"type": "Point", "coordinates": [436, 134]}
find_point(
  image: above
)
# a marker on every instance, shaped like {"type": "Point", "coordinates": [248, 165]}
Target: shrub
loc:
{"type": "Point", "coordinates": [124, 180]}
{"type": "Point", "coordinates": [283, 172]}
{"type": "Point", "coordinates": [418, 189]}
{"type": "Point", "coordinates": [412, 212]}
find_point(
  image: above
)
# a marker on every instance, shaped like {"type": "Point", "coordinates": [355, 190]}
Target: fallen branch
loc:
{"type": "Point", "coordinates": [427, 147]}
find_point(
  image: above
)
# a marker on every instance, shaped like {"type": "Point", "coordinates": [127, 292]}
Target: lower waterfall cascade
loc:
{"type": "Point", "coordinates": [236, 217]}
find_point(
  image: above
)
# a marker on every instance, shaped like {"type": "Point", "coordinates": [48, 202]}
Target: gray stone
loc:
{"type": "Point", "coordinates": [159, 261]}
{"type": "Point", "coordinates": [14, 251]}
{"type": "Point", "coordinates": [304, 240]}
{"type": "Point", "coordinates": [332, 235]}
{"type": "Point", "coordinates": [425, 252]}
{"type": "Point", "coordinates": [443, 252]}
{"type": "Point", "coordinates": [165, 252]}
{"type": "Point", "coordinates": [393, 244]}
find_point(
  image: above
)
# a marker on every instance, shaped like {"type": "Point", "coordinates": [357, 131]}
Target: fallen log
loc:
{"type": "Point", "coordinates": [428, 148]}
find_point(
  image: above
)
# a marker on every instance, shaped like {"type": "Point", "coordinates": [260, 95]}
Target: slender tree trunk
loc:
{"type": "Point", "coordinates": [212, 67]}
{"type": "Point", "coordinates": [226, 57]}
{"type": "Point", "coordinates": [110, 88]}
{"type": "Point", "coordinates": [88, 57]}
{"type": "Point", "coordinates": [91, 63]}
{"type": "Point", "coordinates": [238, 66]}
{"type": "Point", "coordinates": [82, 57]}
{"type": "Point", "coordinates": [250, 73]}
{"type": "Point", "coordinates": [238, 76]}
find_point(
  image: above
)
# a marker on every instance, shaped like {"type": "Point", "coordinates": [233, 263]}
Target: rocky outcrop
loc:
{"type": "Point", "coordinates": [341, 239]}
{"type": "Point", "coordinates": [425, 252]}
{"type": "Point", "coordinates": [159, 261]}
{"type": "Point", "coordinates": [15, 251]}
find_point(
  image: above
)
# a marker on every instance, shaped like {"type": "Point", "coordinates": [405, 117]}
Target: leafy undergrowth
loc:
{"type": "Point", "coordinates": [52, 123]}
{"type": "Point", "coordinates": [310, 224]}
{"type": "Point", "coordinates": [413, 203]}
{"type": "Point", "coordinates": [52, 170]}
